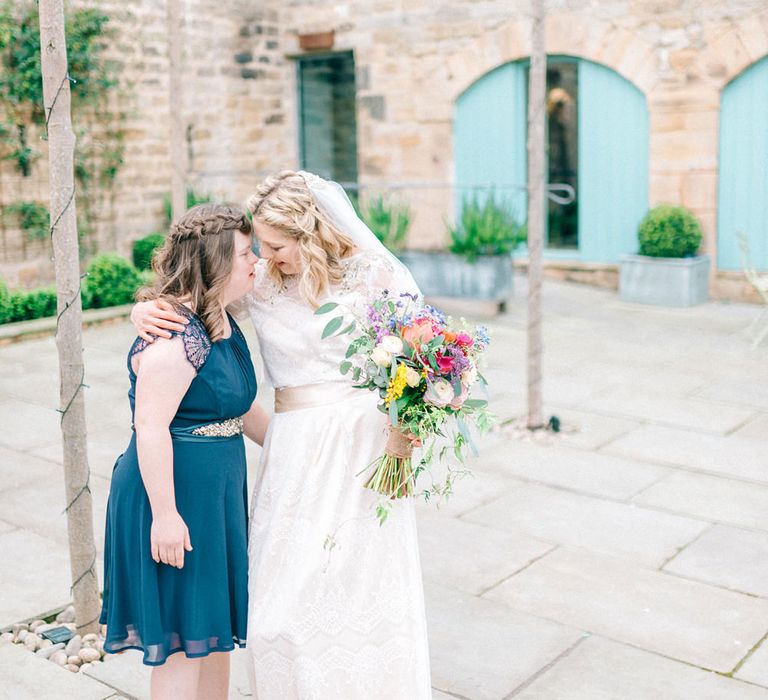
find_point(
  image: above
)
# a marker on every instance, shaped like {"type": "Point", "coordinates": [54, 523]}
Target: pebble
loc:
{"type": "Point", "coordinates": [20, 626]}
{"type": "Point", "coordinates": [74, 645]}
{"type": "Point", "coordinates": [39, 629]}
{"type": "Point", "coordinates": [60, 657]}
{"type": "Point", "coordinates": [86, 666]}
{"type": "Point", "coordinates": [34, 625]}
{"type": "Point", "coordinates": [6, 637]}
{"type": "Point", "coordinates": [66, 615]}
{"type": "Point", "coordinates": [72, 667]}
{"type": "Point", "coordinates": [44, 643]}
{"type": "Point", "coordinates": [89, 655]}
{"type": "Point", "coordinates": [20, 635]}
{"type": "Point", "coordinates": [32, 642]}
{"type": "Point", "coordinates": [90, 638]}
{"type": "Point", "coordinates": [47, 652]}
{"type": "Point", "coordinates": [74, 660]}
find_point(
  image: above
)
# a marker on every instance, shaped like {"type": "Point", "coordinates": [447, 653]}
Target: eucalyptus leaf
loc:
{"type": "Point", "coordinates": [332, 326]}
{"type": "Point", "coordinates": [345, 366]}
{"type": "Point", "coordinates": [325, 308]}
{"type": "Point", "coordinates": [393, 413]}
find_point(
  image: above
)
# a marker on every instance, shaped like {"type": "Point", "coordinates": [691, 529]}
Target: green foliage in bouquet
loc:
{"type": "Point", "coordinates": [486, 227]}
{"type": "Point", "coordinates": [389, 222]}
{"type": "Point", "coordinates": [144, 249]}
{"type": "Point", "coordinates": [669, 232]}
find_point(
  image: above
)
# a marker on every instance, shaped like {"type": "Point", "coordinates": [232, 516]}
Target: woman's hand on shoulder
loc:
{"type": "Point", "coordinates": [156, 319]}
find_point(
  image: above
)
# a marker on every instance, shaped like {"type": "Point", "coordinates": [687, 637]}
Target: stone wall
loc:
{"type": "Point", "coordinates": [413, 59]}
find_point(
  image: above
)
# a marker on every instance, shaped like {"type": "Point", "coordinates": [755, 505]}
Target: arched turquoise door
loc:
{"type": "Point", "coordinates": [613, 163]}
{"type": "Point", "coordinates": [490, 148]}
{"type": "Point", "coordinates": [742, 206]}
{"type": "Point", "coordinates": [490, 133]}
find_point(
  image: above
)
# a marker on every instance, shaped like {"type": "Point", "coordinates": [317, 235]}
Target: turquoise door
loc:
{"type": "Point", "coordinates": [613, 163]}
{"type": "Point", "coordinates": [489, 136]}
{"type": "Point", "coordinates": [743, 176]}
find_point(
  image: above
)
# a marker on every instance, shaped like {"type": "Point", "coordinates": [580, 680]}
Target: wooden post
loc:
{"type": "Point", "coordinates": [178, 153]}
{"type": "Point", "coordinates": [61, 146]}
{"type": "Point", "coordinates": [536, 158]}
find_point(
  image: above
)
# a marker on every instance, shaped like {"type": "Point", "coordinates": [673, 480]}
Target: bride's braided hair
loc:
{"type": "Point", "coordinates": [284, 202]}
{"type": "Point", "coordinates": [196, 260]}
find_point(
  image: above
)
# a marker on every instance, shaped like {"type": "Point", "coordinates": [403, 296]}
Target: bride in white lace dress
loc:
{"type": "Point", "coordinates": [336, 605]}
{"type": "Point", "coordinates": [336, 600]}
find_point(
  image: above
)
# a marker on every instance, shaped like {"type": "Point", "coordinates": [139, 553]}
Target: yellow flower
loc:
{"type": "Point", "coordinates": [396, 385]}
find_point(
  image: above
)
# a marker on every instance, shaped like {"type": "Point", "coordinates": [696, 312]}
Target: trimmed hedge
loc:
{"type": "Point", "coordinates": [111, 281]}
{"type": "Point", "coordinates": [669, 232]}
{"type": "Point", "coordinates": [144, 248]}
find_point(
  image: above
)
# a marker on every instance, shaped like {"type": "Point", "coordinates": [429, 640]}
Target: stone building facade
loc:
{"type": "Point", "coordinates": [413, 61]}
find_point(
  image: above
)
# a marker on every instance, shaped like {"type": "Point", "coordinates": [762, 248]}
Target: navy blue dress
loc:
{"type": "Point", "coordinates": [202, 607]}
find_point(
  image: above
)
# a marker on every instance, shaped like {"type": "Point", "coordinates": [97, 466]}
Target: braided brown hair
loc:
{"type": "Point", "coordinates": [196, 261]}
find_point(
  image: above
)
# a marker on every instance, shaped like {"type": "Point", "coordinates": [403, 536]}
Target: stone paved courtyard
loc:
{"type": "Point", "coordinates": [625, 558]}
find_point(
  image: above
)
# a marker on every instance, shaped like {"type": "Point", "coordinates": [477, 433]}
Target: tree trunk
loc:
{"type": "Point", "coordinates": [61, 144]}
{"type": "Point", "coordinates": [536, 158]}
{"type": "Point", "coordinates": [176, 103]}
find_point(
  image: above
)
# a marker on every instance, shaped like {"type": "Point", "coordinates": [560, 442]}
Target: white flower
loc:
{"type": "Point", "coordinates": [392, 344]}
{"type": "Point", "coordinates": [439, 393]}
{"type": "Point", "coordinates": [381, 357]}
{"type": "Point", "coordinates": [469, 375]}
{"type": "Point", "coordinates": [412, 377]}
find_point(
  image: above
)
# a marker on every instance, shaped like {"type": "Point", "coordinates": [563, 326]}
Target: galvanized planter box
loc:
{"type": "Point", "coordinates": [489, 277]}
{"type": "Point", "coordinates": [664, 281]}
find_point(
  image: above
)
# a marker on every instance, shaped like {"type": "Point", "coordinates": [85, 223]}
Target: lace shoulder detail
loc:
{"type": "Point", "coordinates": [367, 272]}
{"type": "Point", "coordinates": [265, 288]}
{"type": "Point", "coordinates": [197, 343]}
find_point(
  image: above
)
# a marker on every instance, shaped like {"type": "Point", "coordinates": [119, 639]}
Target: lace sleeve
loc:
{"type": "Point", "coordinates": [197, 344]}
{"type": "Point", "coordinates": [370, 274]}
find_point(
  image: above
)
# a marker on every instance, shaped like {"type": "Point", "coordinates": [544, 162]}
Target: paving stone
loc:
{"type": "Point", "coordinates": [757, 427]}
{"type": "Point", "coordinates": [685, 620]}
{"type": "Point", "coordinates": [579, 470]}
{"type": "Point", "coordinates": [483, 650]}
{"type": "Point", "coordinates": [27, 676]}
{"type": "Point", "coordinates": [695, 413]}
{"type": "Point", "coordinates": [755, 668]}
{"type": "Point", "coordinates": [728, 557]}
{"type": "Point", "coordinates": [24, 423]}
{"type": "Point", "coordinates": [19, 468]}
{"type": "Point", "coordinates": [741, 457]}
{"type": "Point", "coordinates": [599, 668]}
{"type": "Point", "coordinates": [553, 515]}
{"type": "Point", "coordinates": [470, 557]}
{"type": "Point", "coordinates": [34, 577]}
{"type": "Point", "coordinates": [710, 497]}
{"type": "Point", "coordinates": [747, 391]}
{"type": "Point", "coordinates": [590, 431]}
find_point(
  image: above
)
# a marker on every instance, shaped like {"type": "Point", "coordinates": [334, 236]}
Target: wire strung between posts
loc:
{"type": "Point", "coordinates": [86, 487]}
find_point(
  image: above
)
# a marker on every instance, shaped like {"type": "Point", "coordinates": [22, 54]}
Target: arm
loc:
{"type": "Point", "coordinates": [255, 423]}
{"type": "Point", "coordinates": [155, 319]}
{"type": "Point", "coordinates": [163, 377]}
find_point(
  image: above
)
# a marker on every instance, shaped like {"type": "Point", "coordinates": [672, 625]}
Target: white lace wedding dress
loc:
{"type": "Point", "coordinates": [344, 623]}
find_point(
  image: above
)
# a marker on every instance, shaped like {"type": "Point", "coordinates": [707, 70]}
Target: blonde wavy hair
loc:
{"type": "Point", "coordinates": [284, 202]}
{"type": "Point", "coordinates": [196, 261]}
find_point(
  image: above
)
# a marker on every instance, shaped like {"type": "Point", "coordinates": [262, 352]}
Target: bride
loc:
{"type": "Point", "coordinates": [336, 607]}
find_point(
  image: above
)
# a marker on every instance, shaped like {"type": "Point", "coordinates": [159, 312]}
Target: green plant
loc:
{"type": "Point", "coordinates": [32, 217]}
{"type": "Point", "coordinates": [143, 249]}
{"type": "Point", "coordinates": [486, 227]}
{"type": "Point", "coordinates": [193, 198]}
{"type": "Point", "coordinates": [389, 222]}
{"type": "Point", "coordinates": [667, 231]}
{"type": "Point", "coordinates": [5, 302]}
{"type": "Point", "coordinates": [111, 280]}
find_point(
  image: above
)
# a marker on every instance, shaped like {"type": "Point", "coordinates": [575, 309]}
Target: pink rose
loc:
{"type": "Point", "coordinates": [445, 363]}
{"type": "Point", "coordinates": [439, 393]}
{"type": "Point", "coordinates": [458, 401]}
{"type": "Point", "coordinates": [464, 340]}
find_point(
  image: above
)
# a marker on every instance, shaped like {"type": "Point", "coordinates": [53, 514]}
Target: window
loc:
{"type": "Point", "coordinates": [327, 118]}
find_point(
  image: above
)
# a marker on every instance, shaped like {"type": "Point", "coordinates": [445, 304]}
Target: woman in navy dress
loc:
{"type": "Point", "coordinates": [175, 557]}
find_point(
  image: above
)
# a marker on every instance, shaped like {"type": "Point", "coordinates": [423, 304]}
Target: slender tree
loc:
{"type": "Point", "coordinates": [176, 104]}
{"type": "Point", "coordinates": [61, 145]}
{"type": "Point", "coordinates": [536, 192]}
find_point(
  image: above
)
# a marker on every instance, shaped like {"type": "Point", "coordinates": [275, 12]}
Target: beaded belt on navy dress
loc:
{"type": "Point", "coordinates": [221, 430]}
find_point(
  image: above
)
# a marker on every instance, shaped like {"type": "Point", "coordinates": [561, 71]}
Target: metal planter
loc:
{"type": "Point", "coordinates": [489, 277]}
{"type": "Point", "coordinates": [664, 281]}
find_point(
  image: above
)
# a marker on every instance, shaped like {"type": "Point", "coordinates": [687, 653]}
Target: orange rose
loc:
{"type": "Point", "coordinates": [418, 333]}
{"type": "Point", "coordinates": [450, 337]}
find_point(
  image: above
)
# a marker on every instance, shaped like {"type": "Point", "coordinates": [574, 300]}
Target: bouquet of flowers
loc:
{"type": "Point", "coordinates": [424, 368]}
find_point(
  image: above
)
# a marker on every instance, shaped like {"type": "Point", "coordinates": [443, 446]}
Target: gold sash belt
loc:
{"type": "Point", "coordinates": [294, 398]}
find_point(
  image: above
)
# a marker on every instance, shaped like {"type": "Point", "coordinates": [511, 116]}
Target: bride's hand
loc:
{"type": "Point", "coordinates": [155, 319]}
